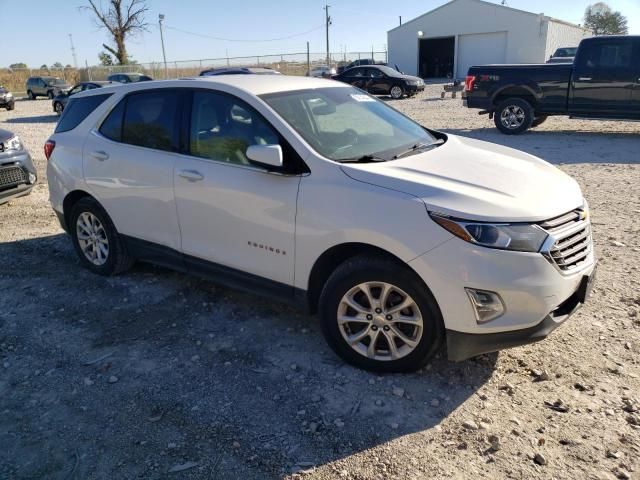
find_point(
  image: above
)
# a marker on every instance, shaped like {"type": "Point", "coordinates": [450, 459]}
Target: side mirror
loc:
{"type": "Point", "coordinates": [269, 156]}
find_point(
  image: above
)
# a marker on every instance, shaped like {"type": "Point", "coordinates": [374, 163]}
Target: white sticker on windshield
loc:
{"type": "Point", "coordinates": [358, 97]}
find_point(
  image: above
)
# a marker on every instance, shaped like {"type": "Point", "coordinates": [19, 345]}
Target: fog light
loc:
{"type": "Point", "coordinates": [32, 178]}
{"type": "Point", "coordinates": [486, 305]}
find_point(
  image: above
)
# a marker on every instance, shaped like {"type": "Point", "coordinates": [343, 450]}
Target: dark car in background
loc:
{"type": "Point", "coordinates": [40, 86]}
{"type": "Point", "coordinates": [603, 82]}
{"type": "Point", "coordinates": [6, 99]}
{"type": "Point", "coordinates": [60, 101]}
{"type": "Point", "coordinates": [382, 80]}
{"type": "Point", "coordinates": [563, 55]}
{"type": "Point", "coordinates": [129, 77]}
{"type": "Point", "coordinates": [210, 72]}
{"type": "Point", "coordinates": [17, 173]}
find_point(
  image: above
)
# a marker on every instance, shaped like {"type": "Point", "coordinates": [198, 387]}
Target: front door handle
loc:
{"type": "Point", "coordinates": [585, 79]}
{"type": "Point", "coordinates": [191, 175]}
{"type": "Point", "coordinates": [100, 155]}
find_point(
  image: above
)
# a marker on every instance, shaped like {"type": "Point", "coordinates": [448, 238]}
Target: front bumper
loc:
{"type": "Point", "coordinates": [10, 185]}
{"type": "Point", "coordinates": [531, 287]}
{"type": "Point", "coordinates": [461, 346]}
{"type": "Point", "coordinates": [9, 102]}
{"type": "Point", "coordinates": [411, 89]}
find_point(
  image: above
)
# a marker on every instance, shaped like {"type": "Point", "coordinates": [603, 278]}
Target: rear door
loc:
{"type": "Point", "coordinates": [635, 95]}
{"type": "Point", "coordinates": [128, 165]}
{"type": "Point", "coordinates": [379, 84]}
{"type": "Point", "coordinates": [603, 78]}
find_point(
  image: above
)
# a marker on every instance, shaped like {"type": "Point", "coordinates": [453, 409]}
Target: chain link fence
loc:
{"type": "Point", "coordinates": [286, 63]}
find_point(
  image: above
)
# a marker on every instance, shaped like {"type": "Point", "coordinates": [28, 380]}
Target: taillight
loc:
{"type": "Point", "coordinates": [48, 148]}
{"type": "Point", "coordinates": [469, 81]}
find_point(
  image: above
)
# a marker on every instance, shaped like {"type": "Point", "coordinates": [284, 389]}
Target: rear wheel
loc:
{"type": "Point", "coordinates": [58, 108]}
{"type": "Point", "coordinates": [538, 121]}
{"type": "Point", "coordinates": [377, 314]}
{"type": "Point", "coordinates": [96, 239]}
{"type": "Point", "coordinates": [513, 116]}
{"type": "Point", "coordinates": [396, 92]}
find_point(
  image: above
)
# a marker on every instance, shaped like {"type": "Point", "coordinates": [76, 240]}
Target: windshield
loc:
{"type": "Point", "coordinates": [389, 71]}
{"type": "Point", "coordinates": [344, 123]}
{"type": "Point", "coordinates": [55, 81]}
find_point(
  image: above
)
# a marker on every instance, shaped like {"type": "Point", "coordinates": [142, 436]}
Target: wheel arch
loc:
{"type": "Point", "coordinates": [70, 200]}
{"type": "Point", "coordinates": [326, 264]}
{"type": "Point", "coordinates": [524, 92]}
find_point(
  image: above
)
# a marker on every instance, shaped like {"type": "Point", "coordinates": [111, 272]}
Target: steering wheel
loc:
{"type": "Point", "coordinates": [351, 137]}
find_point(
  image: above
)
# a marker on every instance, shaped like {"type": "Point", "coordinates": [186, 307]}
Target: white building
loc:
{"type": "Point", "coordinates": [446, 41]}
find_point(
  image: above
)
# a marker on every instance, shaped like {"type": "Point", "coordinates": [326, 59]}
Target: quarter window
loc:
{"type": "Point", "coordinates": [77, 110]}
{"type": "Point", "coordinates": [222, 128]}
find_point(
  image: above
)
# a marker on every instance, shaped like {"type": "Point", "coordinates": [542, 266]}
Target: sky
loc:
{"type": "Point", "coordinates": [39, 30]}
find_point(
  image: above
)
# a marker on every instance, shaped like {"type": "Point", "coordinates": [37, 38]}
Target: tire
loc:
{"type": "Point", "coordinates": [396, 92]}
{"type": "Point", "coordinates": [58, 108]}
{"type": "Point", "coordinates": [538, 121]}
{"type": "Point", "coordinates": [50, 94]}
{"type": "Point", "coordinates": [31, 95]}
{"type": "Point", "coordinates": [11, 106]}
{"type": "Point", "coordinates": [513, 116]}
{"type": "Point", "coordinates": [402, 284]}
{"type": "Point", "coordinates": [117, 259]}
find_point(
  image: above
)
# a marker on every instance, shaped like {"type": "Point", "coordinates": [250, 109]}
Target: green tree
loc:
{"type": "Point", "coordinates": [44, 67]}
{"type": "Point", "coordinates": [17, 66]}
{"type": "Point", "coordinates": [601, 20]}
{"type": "Point", "coordinates": [57, 65]}
{"type": "Point", "coordinates": [105, 59]}
{"type": "Point", "coordinates": [121, 20]}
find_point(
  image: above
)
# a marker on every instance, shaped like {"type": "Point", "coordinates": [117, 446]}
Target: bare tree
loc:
{"type": "Point", "coordinates": [121, 20]}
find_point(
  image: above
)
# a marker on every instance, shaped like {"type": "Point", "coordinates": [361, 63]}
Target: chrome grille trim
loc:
{"type": "Point", "coordinates": [571, 241]}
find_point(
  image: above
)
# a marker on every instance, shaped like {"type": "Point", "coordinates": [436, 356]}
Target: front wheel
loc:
{"type": "Point", "coordinates": [96, 239]}
{"type": "Point", "coordinates": [377, 314]}
{"type": "Point", "coordinates": [396, 92]}
{"type": "Point", "coordinates": [513, 116]}
{"type": "Point", "coordinates": [31, 95]}
{"type": "Point", "coordinates": [58, 108]}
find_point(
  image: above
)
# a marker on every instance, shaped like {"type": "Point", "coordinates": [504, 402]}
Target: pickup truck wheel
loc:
{"type": "Point", "coordinates": [539, 121]}
{"type": "Point", "coordinates": [513, 116]}
{"type": "Point", "coordinates": [96, 239]}
{"type": "Point", "coordinates": [377, 315]}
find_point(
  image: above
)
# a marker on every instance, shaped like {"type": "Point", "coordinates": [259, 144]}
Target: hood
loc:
{"type": "Point", "coordinates": [477, 180]}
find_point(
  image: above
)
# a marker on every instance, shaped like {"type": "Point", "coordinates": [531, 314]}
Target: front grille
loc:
{"type": "Point", "coordinates": [12, 176]}
{"type": "Point", "coordinates": [573, 243]}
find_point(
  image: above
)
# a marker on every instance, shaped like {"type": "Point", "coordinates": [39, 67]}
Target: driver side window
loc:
{"type": "Point", "coordinates": [223, 127]}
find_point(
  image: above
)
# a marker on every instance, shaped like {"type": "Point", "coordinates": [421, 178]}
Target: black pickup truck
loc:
{"type": "Point", "coordinates": [603, 82]}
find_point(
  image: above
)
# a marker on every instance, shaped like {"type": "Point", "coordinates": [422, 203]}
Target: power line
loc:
{"type": "Point", "coordinates": [242, 40]}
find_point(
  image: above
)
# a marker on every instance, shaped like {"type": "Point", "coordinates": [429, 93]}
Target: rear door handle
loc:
{"type": "Point", "coordinates": [100, 155]}
{"type": "Point", "coordinates": [585, 79]}
{"type": "Point", "coordinates": [191, 175]}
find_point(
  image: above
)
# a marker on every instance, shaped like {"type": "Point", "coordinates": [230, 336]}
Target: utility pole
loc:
{"type": "Point", "coordinates": [400, 17]}
{"type": "Point", "coordinates": [73, 52]}
{"type": "Point", "coordinates": [308, 60]}
{"type": "Point", "coordinates": [327, 23]}
{"type": "Point", "coordinates": [164, 56]}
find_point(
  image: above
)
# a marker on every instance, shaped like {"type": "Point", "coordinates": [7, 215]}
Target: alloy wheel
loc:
{"type": "Point", "coordinates": [396, 92]}
{"type": "Point", "coordinates": [380, 321]}
{"type": "Point", "coordinates": [92, 238]}
{"type": "Point", "coordinates": [512, 117]}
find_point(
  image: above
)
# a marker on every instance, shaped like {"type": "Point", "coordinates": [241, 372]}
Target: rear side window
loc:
{"type": "Point", "coordinates": [112, 125]}
{"type": "Point", "coordinates": [77, 110]}
{"type": "Point", "coordinates": [151, 120]}
{"type": "Point", "coordinates": [608, 55]}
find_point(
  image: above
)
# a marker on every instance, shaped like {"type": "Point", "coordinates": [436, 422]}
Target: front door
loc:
{"type": "Point", "coordinates": [128, 165]}
{"type": "Point", "coordinates": [603, 78]}
{"type": "Point", "coordinates": [233, 214]}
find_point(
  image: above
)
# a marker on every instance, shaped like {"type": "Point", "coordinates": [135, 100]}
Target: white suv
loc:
{"type": "Point", "coordinates": [313, 192]}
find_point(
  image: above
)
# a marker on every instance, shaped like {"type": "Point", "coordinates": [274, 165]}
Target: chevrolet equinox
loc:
{"type": "Point", "coordinates": [311, 191]}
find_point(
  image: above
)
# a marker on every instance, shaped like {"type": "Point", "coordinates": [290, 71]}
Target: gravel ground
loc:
{"type": "Point", "coordinates": [155, 374]}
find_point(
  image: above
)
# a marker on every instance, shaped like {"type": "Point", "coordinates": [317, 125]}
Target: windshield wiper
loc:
{"type": "Point", "coordinates": [364, 159]}
{"type": "Point", "coordinates": [416, 147]}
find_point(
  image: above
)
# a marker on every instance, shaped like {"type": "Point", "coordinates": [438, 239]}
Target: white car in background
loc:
{"type": "Point", "coordinates": [321, 71]}
{"type": "Point", "coordinates": [311, 191]}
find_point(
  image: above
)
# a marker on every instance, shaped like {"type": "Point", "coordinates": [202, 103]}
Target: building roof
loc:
{"type": "Point", "coordinates": [496, 5]}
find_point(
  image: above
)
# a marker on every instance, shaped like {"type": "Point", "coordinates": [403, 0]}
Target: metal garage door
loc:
{"type": "Point", "coordinates": [479, 49]}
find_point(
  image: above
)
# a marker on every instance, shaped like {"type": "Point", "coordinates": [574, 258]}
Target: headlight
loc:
{"type": "Point", "coordinates": [13, 144]}
{"type": "Point", "coordinates": [520, 237]}
{"type": "Point", "coordinates": [412, 82]}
